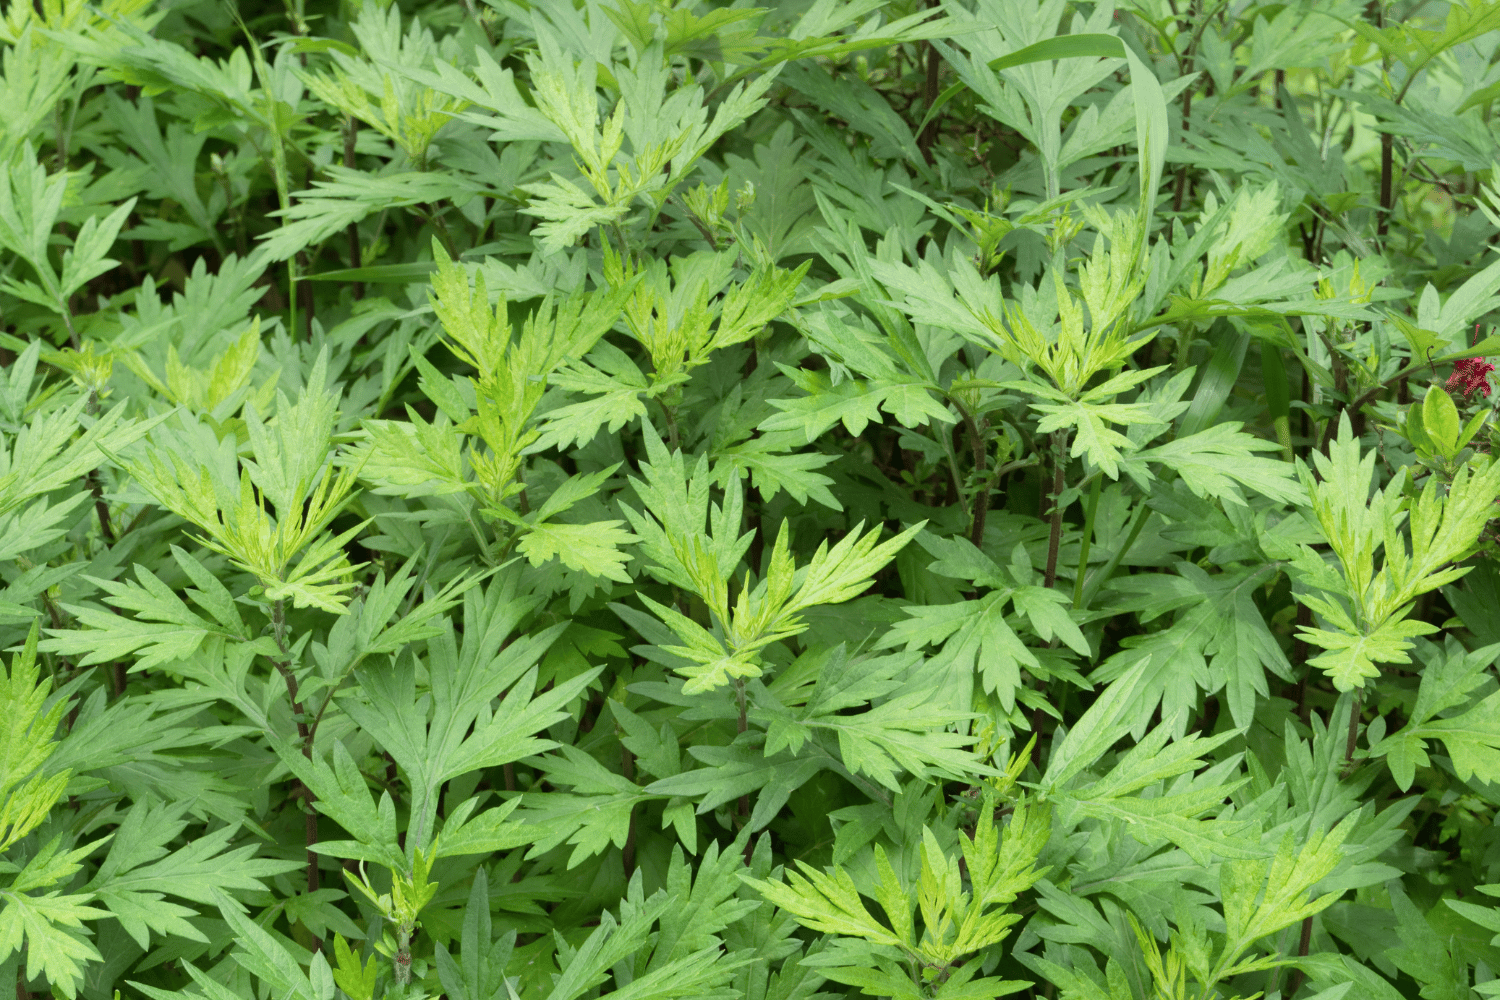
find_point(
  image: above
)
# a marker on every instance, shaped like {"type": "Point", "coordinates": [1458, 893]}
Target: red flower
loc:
{"type": "Point", "coordinates": [1470, 374]}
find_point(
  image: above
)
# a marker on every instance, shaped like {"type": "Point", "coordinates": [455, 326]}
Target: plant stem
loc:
{"type": "Point", "coordinates": [284, 667]}
{"type": "Point", "coordinates": [402, 961]}
{"type": "Point", "coordinates": [1088, 537]}
{"type": "Point", "coordinates": [1375, 11]}
{"type": "Point", "coordinates": [929, 98]}
{"type": "Point", "coordinates": [291, 297]}
{"type": "Point", "coordinates": [1059, 470]}
{"type": "Point", "coordinates": [1299, 657]}
{"type": "Point", "coordinates": [739, 691]}
{"type": "Point", "coordinates": [101, 509]}
{"type": "Point", "coordinates": [305, 290]}
{"type": "Point", "coordinates": [1369, 394]}
{"type": "Point", "coordinates": [1101, 577]}
{"type": "Point", "coordinates": [1302, 945]}
{"type": "Point", "coordinates": [624, 245]}
{"type": "Point", "coordinates": [708, 234]}
{"type": "Point", "coordinates": [982, 500]}
{"type": "Point", "coordinates": [945, 441]}
{"type": "Point", "coordinates": [1385, 186]}
{"type": "Point", "coordinates": [627, 855]}
{"type": "Point", "coordinates": [1184, 346]}
{"type": "Point", "coordinates": [1354, 712]}
{"type": "Point", "coordinates": [1180, 188]}
{"type": "Point", "coordinates": [673, 440]}
{"type": "Point", "coordinates": [441, 228]}
{"type": "Point", "coordinates": [351, 130]}
{"type": "Point", "coordinates": [523, 501]}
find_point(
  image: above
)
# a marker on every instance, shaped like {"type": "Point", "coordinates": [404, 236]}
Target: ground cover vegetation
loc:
{"type": "Point", "coordinates": [644, 499]}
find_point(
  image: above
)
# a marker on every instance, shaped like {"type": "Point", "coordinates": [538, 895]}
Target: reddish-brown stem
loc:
{"type": "Point", "coordinates": [302, 790]}
{"type": "Point", "coordinates": [1180, 190]}
{"type": "Point", "coordinates": [929, 134]}
{"type": "Point", "coordinates": [1365, 397]}
{"type": "Point", "coordinates": [1382, 223]}
{"type": "Point", "coordinates": [284, 667]}
{"type": "Point", "coordinates": [1302, 945]}
{"type": "Point", "coordinates": [1374, 11]}
{"type": "Point", "coordinates": [305, 294]}
{"type": "Point", "coordinates": [101, 509]}
{"type": "Point", "coordinates": [1299, 656]}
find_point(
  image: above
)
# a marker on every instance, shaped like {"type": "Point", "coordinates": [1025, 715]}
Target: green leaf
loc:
{"type": "Point", "coordinates": [1062, 47]}
{"type": "Point", "coordinates": [825, 902]}
{"type": "Point", "coordinates": [589, 548]}
{"type": "Point", "coordinates": [357, 978]}
{"type": "Point", "coordinates": [1090, 435]}
{"type": "Point", "coordinates": [378, 274]}
{"type": "Point", "coordinates": [772, 470]}
{"type": "Point", "coordinates": [1218, 378]}
{"type": "Point", "coordinates": [1472, 740]}
{"type": "Point", "coordinates": [165, 629]}
{"type": "Point", "coordinates": [1440, 420]}
{"type": "Point", "coordinates": [414, 458]}
{"type": "Point", "coordinates": [50, 927]}
{"type": "Point", "coordinates": [139, 872]}
{"type": "Point", "coordinates": [1352, 659]}
{"type": "Point", "coordinates": [479, 972]}
{"type": "Point", "coordinates": [465, 733]}
{"type": "Point", "coordinates": [593, 816]}
{"type": "Point", "coordinates": [488, 833]}
{"type": "Point", "coordinates": [1216, 462]}
{"type": "Point", "coordinates": [739, 770]}
{"type": "Point", "coordinates": [973, 633]}
{"type": "Point", "coordinates": [330, 206]}
{"type": "Point", "coordinates": [1447, 681]}
{"type": "Point", "coordinates": [1262, 896]}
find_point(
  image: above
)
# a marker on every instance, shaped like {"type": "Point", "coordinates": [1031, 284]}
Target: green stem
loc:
{"type": "Point", "coordinates": [1088, 537]}
{"type": "Point", "coordinates": [401, 963]}
{"type": "Point", "coordinates": [1101, 576]}
{"type": "Point", "coordinates": [485, 552]}
{"type": "Point", "coordinates": [624, 246]}
{"type": "Point", "coordinates": [1184, 346]}
{"type": "Point", "coordinates": [672, 436]}
{"type": "Point", "coordinates": [699, 224]}
{"type": "Point", "coordinates": [739, 691]}
{"type": "Point", "coordinates": [427, 212]}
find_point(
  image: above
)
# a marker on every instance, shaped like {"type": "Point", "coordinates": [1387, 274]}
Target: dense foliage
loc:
{"type": "Point", "coordinates": [649, 499]}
